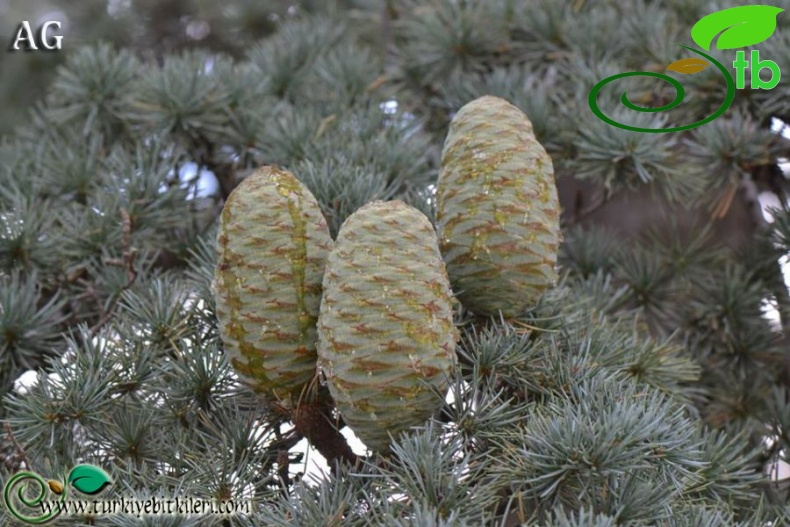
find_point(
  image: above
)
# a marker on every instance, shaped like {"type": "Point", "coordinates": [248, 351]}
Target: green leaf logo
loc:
{"type": "Point", "coordinates": [88, 479]}
{"type": "Point", "coordinates": [741, 26]}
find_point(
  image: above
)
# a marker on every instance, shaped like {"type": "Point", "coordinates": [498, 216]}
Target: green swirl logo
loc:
{"type": "Point", "coordinates": [87, 479]}
{"type": "Point", "coordinates": [735, 27]}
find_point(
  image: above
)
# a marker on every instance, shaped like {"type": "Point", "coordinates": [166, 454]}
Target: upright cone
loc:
{"type": "Point", "coordinates": [497, 209]}
{"type": "Point", "coordinates": [273, 242]}
{"type": "Point", "coordinates": [386, 334]}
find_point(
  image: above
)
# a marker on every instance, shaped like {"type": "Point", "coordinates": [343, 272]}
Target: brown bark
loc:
{"type": "Point", "coordinates": [313, 420]}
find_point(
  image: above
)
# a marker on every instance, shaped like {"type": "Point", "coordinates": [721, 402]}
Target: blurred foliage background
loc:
{"type": "Point", "coordinates": [150, 27]}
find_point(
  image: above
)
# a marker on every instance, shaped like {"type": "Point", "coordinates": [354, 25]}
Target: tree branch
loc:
{"type": "Point", "coordinates": [313, 420]}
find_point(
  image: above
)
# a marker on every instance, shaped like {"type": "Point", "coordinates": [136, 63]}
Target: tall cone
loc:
{"type": "Point", "coordinates": [273, 242]}
{"type": "Point", "coordinates": [386, 334]}
{"type": "Point", "coordinates": [497, 209]}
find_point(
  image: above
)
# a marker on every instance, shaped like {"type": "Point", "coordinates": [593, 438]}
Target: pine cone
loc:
{"type": "Point", "coordinates": [386, 333]}
{"type": "Point", "coordinates": [497, 209]}
{"type": "Point", "coordinates": [273, 242]}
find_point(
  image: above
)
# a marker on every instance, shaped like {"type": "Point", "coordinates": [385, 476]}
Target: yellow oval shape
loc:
{"type": "Point", "coordinates": [688, 66]}
{"type": "Point", "coordinates": [55, 486]}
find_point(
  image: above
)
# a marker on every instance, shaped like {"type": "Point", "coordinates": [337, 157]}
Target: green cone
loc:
{"type": "Point", "coordinates": [273, 242]}
{"type": "Point", "coordinates": [386, 333]}
{"type": "Point", "coordinates": [497, 209]}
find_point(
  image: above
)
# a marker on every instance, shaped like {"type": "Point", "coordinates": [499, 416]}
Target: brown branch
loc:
{"type": "Point", "coordinates": [225, 173]}
{"type": "Point", "coordinates": [128, 257]}
{"type": "Point", "coordinates": [21, 454]}
{"type": "Point", "coordinates": [581, 212]}
{"type": "Point", "coordinates": [283, 468]}
{"type": "Point", "coordinates": [226, 177]}
{"type": "Point", "coordinates": [313, 420]}
{"type": "Point", "coordinates": [388, 14]}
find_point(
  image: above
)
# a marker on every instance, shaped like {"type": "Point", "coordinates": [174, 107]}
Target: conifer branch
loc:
{"type": "Point", "coordinates": [313, 420]}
